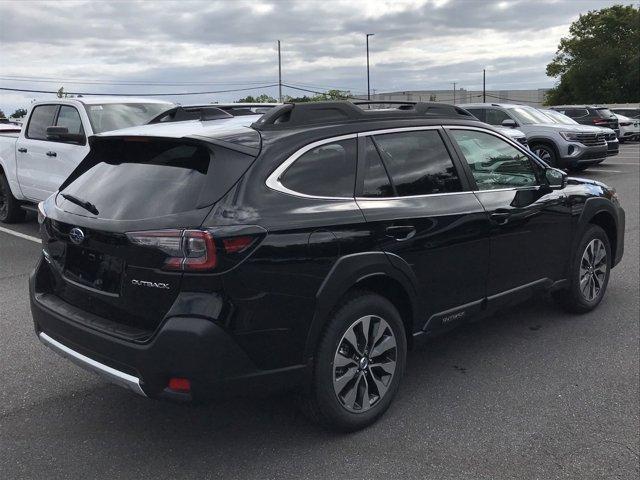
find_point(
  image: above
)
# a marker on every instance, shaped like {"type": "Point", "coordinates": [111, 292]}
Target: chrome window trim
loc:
{"type": "Point", "coordinates": [274, 183]}
{"type": "Point", "coordinates": [115, 376]}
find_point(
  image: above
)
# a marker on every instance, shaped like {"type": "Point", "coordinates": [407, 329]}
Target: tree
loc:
{"type": "Point", "coordinates": [2, 114]}
{"type": "Point", "coordinates": [264, 98]}
{"type": "Point", "coordinates": [599, 62]}
{"type": "Point", "coordinates": [19, 113]}
{"type": "Point", "coordinates": [322, 97]}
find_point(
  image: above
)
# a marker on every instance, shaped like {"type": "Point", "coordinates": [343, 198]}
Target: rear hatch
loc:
{"type": "Point", "coordinates": [605, 118]}
{"type": "Point", "coordinates": [115, 236]}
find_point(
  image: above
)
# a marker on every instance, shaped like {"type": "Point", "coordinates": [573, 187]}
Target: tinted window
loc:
{"type": "Point", "coordinates": [114, 116]}
{"type": "Point", "coordinates": [41, 118]}
{"type": "Point", "coordinates": [604, 112]}
{"type": "Point", "coordinates": [129, 180]}
{"type": "Point", "coordinates": [376, 180]}
{"type": "Point", "coordinates": [477, 112]}
{"type": "Point", "coordinates": [495, 117]}
{"type": "Point", "coordinates": [70, 118]}
{"type": "Point", "coordinates": [418, 163]}
{"type": "Point", "coordinates": [326, 171]}
{"type": "Point", "coordinates": [493, 162]}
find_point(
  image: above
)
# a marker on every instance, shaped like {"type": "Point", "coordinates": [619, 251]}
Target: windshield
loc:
{"type": "Point", "coordinates": [529, 115]}
{"type": "Point", "coordinates": [114, 116]}
{"type": "Point", "coordinates": [558, 117]}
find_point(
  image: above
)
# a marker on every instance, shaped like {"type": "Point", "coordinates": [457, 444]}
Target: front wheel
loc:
{"type": "Point", "coordinates": [359, 363]}
{"type": "Point", "coordinates": [545, 153]}
{"type": "Point", "coordinates": [10, 210]}
{"type": "Point", "coordinates": [589, 272]}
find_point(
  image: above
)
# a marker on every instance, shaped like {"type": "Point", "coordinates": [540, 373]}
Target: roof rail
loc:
{"type": "Point", "coordinates": [292, 115]}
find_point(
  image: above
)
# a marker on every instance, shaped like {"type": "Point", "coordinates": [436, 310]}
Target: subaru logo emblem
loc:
{"type": "Point", "coordinates": [76, 236]}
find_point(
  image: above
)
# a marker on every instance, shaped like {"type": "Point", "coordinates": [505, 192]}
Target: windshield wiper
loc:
{"type": "Point", "coordinates": [88, 206]}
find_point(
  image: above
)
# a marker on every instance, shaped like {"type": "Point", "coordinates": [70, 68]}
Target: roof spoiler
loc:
{"type": "Point", "coordinates": [291, 115]}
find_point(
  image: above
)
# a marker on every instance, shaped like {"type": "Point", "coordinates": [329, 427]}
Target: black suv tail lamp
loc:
{"type": "Point", "coordinates": [193, 250]}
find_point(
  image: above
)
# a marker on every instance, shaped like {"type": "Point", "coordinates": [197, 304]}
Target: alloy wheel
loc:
{"type": "Point", "coordinates": [543, 154]}
{"type": "Point", "coordinates": [593, 269]}
{"type": "Point", "coordinates": [364, 363]}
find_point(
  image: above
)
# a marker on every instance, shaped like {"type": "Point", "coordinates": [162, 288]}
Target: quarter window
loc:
{"type": "Point", "coordinates": [41, 118]}
{"type": "Point", "coordinates": [326, 171]}
{"type": "Point", "coordinates": [418, 163]}
{"type": "Point", "coordinates": [70, 118]}
{"type": "Point", "coordinates": [493, 162]}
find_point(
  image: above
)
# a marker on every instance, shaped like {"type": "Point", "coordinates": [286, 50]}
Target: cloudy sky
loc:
{"type": "Point", "coordinates": [202, 46]}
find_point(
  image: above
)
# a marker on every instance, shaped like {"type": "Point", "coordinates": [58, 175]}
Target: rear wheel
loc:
{"type": "Point", "coordinates": [358, 365]}
{"type": "Point", "coordinates": [545, 153]}
{"type": "Point", "coordinates": [10, 211]}
{"type": "Point", "coordinates": [589, 272]}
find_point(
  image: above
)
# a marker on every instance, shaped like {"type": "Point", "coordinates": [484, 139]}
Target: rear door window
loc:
{"type": "Point", "coordinates": [328, 170]}
{"type": "Point", "coordinates": [418, 163]}
{"type": "Point", "coordinates": [41, 118]}
{"type": "Point", "coordinates": [129, 180]}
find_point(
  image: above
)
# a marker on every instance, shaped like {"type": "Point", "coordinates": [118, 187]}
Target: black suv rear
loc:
{"type": "Point", "coordinates": [590, 115]}
{"type": "Point", "coordinates": [309, 250]}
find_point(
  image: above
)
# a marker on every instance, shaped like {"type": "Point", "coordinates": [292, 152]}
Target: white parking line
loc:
{"type": "Point", "coordinates": [21, 235]}
{"type": "Point", "coordinates": [606, 171]}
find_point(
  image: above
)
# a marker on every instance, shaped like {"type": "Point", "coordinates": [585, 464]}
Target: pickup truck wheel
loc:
{"type": "Point", "coordinates": [545, 153]}
{"type": "Point", "coordinates": [358, 365]}
{"type": "Point", "coordinates": [588, 274]}
{"type": "Point", "coordinates": [10, 211]}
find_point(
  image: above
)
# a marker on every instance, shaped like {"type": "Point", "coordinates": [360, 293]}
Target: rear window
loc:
{"type": "Point", "coordinates": [604, 112]}
{"type": "Point", "coordinates": [115, 116]}
{"type": "Point", "coordinates": [130, 180]}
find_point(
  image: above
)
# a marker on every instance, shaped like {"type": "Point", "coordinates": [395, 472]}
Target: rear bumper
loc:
{"type": "Point", "coordinates": [184, 347]}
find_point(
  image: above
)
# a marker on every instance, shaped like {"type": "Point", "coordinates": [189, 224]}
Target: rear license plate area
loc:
{"type": "Point", "coordinates": [93, 269]}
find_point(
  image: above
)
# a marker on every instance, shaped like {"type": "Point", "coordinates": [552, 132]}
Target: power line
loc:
{"type": "Point", "coordinates": [160, 94]}
{"type": "Point", "coordinates": [120, 82]}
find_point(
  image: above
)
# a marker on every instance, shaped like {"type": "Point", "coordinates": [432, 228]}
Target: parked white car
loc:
{"type": "Point", "coordinates": [36, 160]}
{"type": "Point", "coordinates": [629, 128]}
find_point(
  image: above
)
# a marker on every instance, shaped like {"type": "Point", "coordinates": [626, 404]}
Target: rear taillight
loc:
{"type": "Point", "coordinates": [600, 122]}
{"type": "Point", "coordinates": [188, 250]}
{"type": "Point", "coordinates": [195, 250]}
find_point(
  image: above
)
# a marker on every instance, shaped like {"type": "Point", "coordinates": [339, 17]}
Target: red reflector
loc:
{"type": "Point", "coordinates": [236, 244]}
{"type": "Point", "coordinates": [180, 384]}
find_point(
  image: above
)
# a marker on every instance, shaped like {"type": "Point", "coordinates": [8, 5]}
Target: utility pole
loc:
{"type": "Point", "coordinates": [368, 80]}
{"type": "Point", "coordinates": [484, 90]}
{"type": "Point", "coordinates": [279, 74]}
{"type": "Point", "coordinates": [454, 93]}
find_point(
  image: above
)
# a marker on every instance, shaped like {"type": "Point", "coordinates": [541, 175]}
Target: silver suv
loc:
{"type": "Point", "coordinates": [573, 147]}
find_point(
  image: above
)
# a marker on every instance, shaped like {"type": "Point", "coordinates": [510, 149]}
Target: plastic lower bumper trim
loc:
{"type": "Point", "coordinates": [111, 374]}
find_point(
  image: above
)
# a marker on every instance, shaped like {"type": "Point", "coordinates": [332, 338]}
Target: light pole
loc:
{"type": "Point", "coordinates": [368, 80]}
{"type": "Point", "coordinates": [279, 74]}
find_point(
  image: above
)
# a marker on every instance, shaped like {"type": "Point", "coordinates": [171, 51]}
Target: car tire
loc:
{"type": "Point", "coordinates": [546, 153]}
{"type": "Point", "coordinates": [353, 385]}
{"type": "Point", "coordinates": [588, 273]}
{"type": "Point", "coordinates": [10, 210]}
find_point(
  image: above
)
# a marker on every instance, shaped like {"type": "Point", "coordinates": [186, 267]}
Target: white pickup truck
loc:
{"type": "Point", "coordinates": [36, 160]}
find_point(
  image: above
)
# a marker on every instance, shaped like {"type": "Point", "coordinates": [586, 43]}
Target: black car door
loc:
{"type": "Point", "coordinates": [531, 223]}
{"type": "Point", "coordinates": [423, 215]}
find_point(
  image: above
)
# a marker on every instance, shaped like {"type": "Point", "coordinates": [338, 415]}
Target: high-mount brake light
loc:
{"type": "Point", "coordinates": [187, 250]}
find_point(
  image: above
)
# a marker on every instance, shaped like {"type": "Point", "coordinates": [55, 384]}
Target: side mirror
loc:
{"type": "Point", "coordinates": [61, 134]}
{"type": "Point", "coordinates": [509, 123]}
{"type": "Point", "coordinates": [556, 179]}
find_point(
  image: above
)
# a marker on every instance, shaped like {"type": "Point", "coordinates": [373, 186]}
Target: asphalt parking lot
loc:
{"type": "Point", "coordinates": [533, 393]}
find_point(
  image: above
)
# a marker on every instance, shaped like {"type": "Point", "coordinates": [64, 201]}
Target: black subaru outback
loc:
{"type": "Point", "coordinates": [308, 250]}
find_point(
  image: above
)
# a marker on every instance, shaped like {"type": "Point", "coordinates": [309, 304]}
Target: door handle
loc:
{"type": "Point", "coordinates": [22, 150]}
{"type": "Point", "coordinates": [401, 232]}
{"type": "Point", "coordinates": [52, 154]}
{"type": "Point", "coordinates": [500, 218]}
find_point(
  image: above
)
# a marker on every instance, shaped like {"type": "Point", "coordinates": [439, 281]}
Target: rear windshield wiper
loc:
{"type": "Point", "coordinates": [88, 206]}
